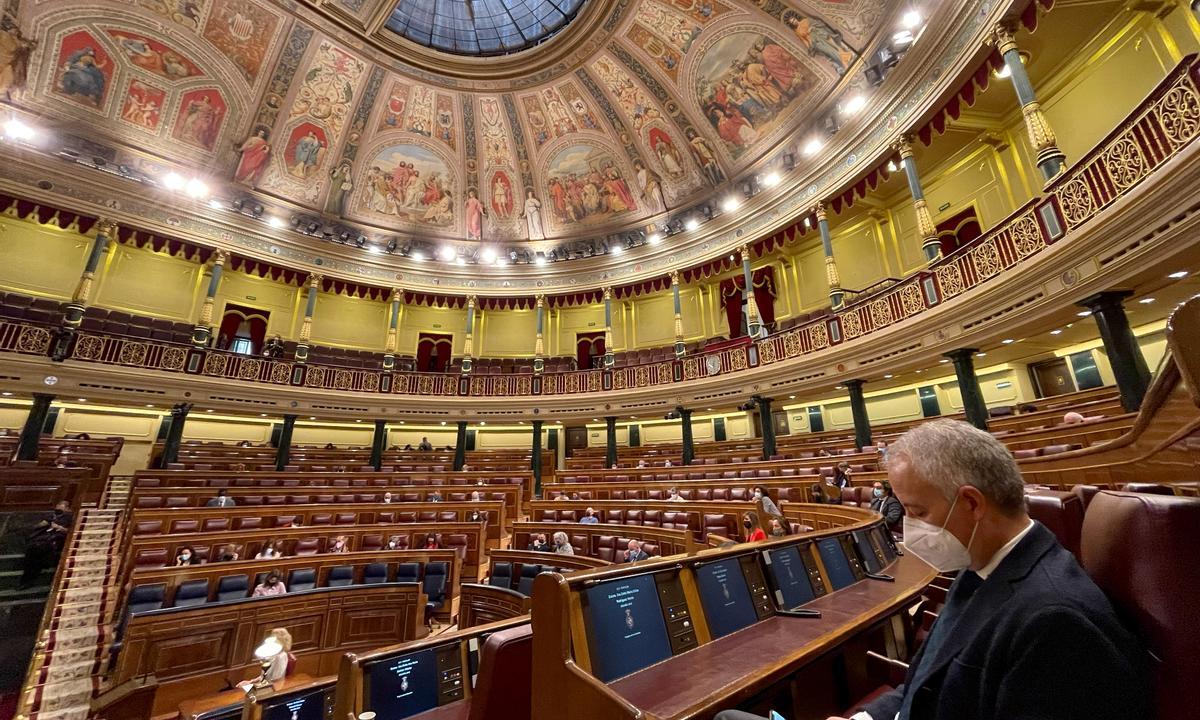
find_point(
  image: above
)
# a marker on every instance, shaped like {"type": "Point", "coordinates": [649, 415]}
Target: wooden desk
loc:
{"type": "Point", "coordinates": [191, 709]}
{"type": "Point", "coordinates": [719, 674]}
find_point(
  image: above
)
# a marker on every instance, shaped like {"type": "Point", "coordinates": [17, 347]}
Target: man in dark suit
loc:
{"type": "Point", "coordinates": [634, 552]}
{"type": "Point", "coordinates": [221, 500]}
{"type": "Point", "coordinates": [1025, 634]}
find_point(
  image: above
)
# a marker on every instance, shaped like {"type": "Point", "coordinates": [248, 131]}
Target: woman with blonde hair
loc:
{"type": "Point", "coordinates": [284, 663]}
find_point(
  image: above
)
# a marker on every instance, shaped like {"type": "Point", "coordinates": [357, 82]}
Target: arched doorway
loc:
{"type": "Point", "coordinates": [434, 352]}
{"type": "Point", "coordinates": [243, 329]}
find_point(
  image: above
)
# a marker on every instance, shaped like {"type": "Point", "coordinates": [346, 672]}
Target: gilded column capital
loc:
{"type": "Point", "coordinates": [819, 211]}
{"type": "Point", "coordinates": [608, 294]}
{"type": "Point", "coordinates": [220, 257]}
{"type": "Point", "coordinates": [674, 278]}
{"type": "Point", "coordinates": [541, 300]}
{"type": "Point", "coordinates": [1004, 37]}
{"type": "Point", "coordinates": [314, 281]}
{"type": "Point", "coordinates": [397, 295]}
{"type": "Point", "coordinates": [471, 302]}
{"type": "Point", "coordinates": [745, 252]}
{"type": "Point", "coordinates": [904, 146]}
{"type": "Point", "coordinates": [106, 227]}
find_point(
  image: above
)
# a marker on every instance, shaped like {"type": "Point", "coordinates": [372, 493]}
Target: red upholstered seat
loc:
{"type": "Point", "coordinates": [502, 689]}
{"type": "Point", "coordinates": [152, 557]}
{"type": "Point", "coordinates": [1061, 513]}
{"type": "Point", "coordinates": [321, 519]}
{"type": "Point", "coordinates": [307, 546]}
{"type": "Point", "coordinates": [606, 547]}
{"type": "Point", "coordinates": [216, 524]}
{"type": "Point", "coordinates": [371, 542]}
{"type": "Point", "coordinates": [1137, 548]}
{"type": "Point", "coordinates": [246, 523]}
{"type": "Point", "coordinates": [147, 527]}
{"type": "Point", "coordinates": [1149, 488]}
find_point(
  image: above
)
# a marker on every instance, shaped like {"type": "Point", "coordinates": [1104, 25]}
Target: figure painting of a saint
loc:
{"type": "Point", "coordinates": [305, 150]}
{"type": "Point", "coordinates": [201, 113]}
{"type": "Point", "coordinates": [153, 56]}
{"type": "Point", "coordinates": [85, 70]}
{"type": "Point", "coordinates": [502, 195]}
{"type": "Point", "coordinates": [254, 152]}
{"type": "Point", "coordinates": [411, 183]}
{"type": "Point", "coordinates": [585, 184]}
{"type": "Point", "coordinates": [745, 82]}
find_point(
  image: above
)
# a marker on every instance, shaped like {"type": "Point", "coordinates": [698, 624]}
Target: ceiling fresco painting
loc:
{"type": "Point", "coordinates": [679, 97]}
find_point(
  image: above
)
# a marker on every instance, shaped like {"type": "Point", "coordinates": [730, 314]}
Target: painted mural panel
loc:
{"type": "Point", "coordinates": [144, 104]}
{"type": "Point", "coordinates": [411, 184]}
{"type": "Point", "coordinates": [243, 31]}
{"type": "Point", "coordinates": [305, 150]}
{"type": "Point", "coordinates": [182, 12]}
{"type": "Point", "coordinates": [154, 56]}
{"type": "Point", "coordinates": [327, 91]}
{"type": "Point", "coordinates": [745, 81]}
{"type": "Point", "coordinates": [585, 185]}
{"type": "Point", "coordinates": [201, 113]}
{"type": "Point", "coordinates": [84, 70]}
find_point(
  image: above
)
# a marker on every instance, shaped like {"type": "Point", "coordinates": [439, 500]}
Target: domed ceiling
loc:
{"type": "Point", "coordinates": [333, 106]}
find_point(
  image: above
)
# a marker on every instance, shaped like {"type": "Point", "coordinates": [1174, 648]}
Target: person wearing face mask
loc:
{"type": "Point", "coordinates": [884, 502]}
{"type": "Point", "coordinates": [1024, 633]}
{"type": "Point", "coordinates": [754, 531]}
{"type": "Point", "coordinates": [768, 505]}
{"type": "Point", "coordinates": [186, 556]}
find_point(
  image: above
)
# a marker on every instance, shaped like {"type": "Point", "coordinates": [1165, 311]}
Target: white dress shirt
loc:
{"type": "Point", "coordinates": [983, 574]}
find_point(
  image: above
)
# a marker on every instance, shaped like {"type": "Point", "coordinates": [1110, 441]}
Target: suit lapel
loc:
{"type": "Point", "coordinates": [990, 597]}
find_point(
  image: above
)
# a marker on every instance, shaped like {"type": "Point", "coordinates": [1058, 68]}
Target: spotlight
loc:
{"type": "Point", "coordinates": [17, 130]}
{"type": "Point", "coordinates": [654, 239]}
{"type": "Point", "coordinates": [812, 147]}
{"type": "Point", "coordinates": [216, 205]}
{"type": "Point", "coordinates": [460, 260]}
{"type": "Point", "coordinates": [539, 259]}
{"type": "Point", "coordinates": [275, 222]}
{"type": "Point", "coordinates": [374, 249]}
{"type": "Point", "coordinates": [853, 105]}
{"type": "Point", "coordinates": [691, 224]}
{"type": "Point", "coordinates": [173, 181]}
{"type": "Point", "coordinates": [891, 166]}
{"type": "Point", "coordinates": [807, 221]}
{"type": "Point", "coordinates": [910, 20]}
{"type": "Point", "coordinates": [730, 204]}
{"type": "Point", "coordinates": [417, 255]}
{"type": "Point", "coordinates": [901, 40]}
{"type": "Point", "coordinates": [487, 255]}
{"type": "Point", "coordinates": [447, 253]}
{"type": "Point", "coordinates": [617, 249]}
{"type": "Point", "coordinates": [195, 188]}
{"type": "Point", "coordinates": [770, 180]}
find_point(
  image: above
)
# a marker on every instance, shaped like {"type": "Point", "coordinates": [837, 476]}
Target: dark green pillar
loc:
{"type": "Point", "coordinates": [689, 447]}
{"type": "Point", "coordinates": [858, 408]}
{"type": "Point", "coordinates": [535, 463]}
{"type": "Point", "coordinates": [1124, 354]}
{"type": "Point", "coordinates": [610, 440]}
{"type": "Point", "coordinates": [378, 440]}
{"type": "Point", "coordinates": [460, 446]}
{"type": "Point", "coordinates": [31, 432]}
{"type": "Point", "coordinates": [968, 387]}
{"type": "Point", "coordinates": [767, 427]}
{"type": "Point", "coordinates": [179, 413]}
{"type": "Point", "coordinates": [283, 452]}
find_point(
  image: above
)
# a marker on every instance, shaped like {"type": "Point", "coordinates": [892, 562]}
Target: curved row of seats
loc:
{"type": "Point", "coordinates": [520, 578]}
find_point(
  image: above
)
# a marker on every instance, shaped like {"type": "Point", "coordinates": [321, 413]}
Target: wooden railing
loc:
{"type": "Point", "coordinates": [1167, 121]}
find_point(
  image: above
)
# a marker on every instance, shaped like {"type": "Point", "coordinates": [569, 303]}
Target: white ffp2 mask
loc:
{"type": "Point", "coordinates": [937, 545]}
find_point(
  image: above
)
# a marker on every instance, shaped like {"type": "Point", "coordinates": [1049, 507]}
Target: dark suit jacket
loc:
{"type": "Point", "coordinates": [1038, 641]}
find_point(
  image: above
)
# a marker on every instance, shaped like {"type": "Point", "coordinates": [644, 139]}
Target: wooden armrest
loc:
{"type": "Point", "coordinates": [927, 619]}
{"type": "Point", "coordinates": [889, 671]}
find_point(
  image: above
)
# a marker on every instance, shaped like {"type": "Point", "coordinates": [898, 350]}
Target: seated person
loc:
{"type": "Point", "coordinates": [674, 496]}
{"type": "Point", "coordinates": [768, 505]}
{"type": "Point", "coordinates": [589, 517]}
{"type": "Point", "coordinates": [393, 542]}
{"type": "Point", "coordinates": [330, 446]}
{"type": "Point", "coordinates": [228, 553]}
{"type": "Point", "coordinates": [221, 500]}
{"type": "Point", "coordinates": [273, 348]}
{"type": "Point", "coordinates": [387, 497]}
{"type": "Point", "coordinates": [1073, 418]}
{"type": "Point", "coordinates": [667, 463]}
{"type": "Point", "coordinates": [475, 496]}
{"type": "Point", "coordinates": [340, 544]}
{"type": "Point", "coordinates": [431, 542]}
{"type": "Point", "coordinates": [885, 503]}
{"type": "Point", "coordinates": [45, 543]}
{"type": "Point", "coordinates": [476, 516]}
{"type": "Point", "coordinates": [185, 556]}
{"type": "Point", "coordinates": [754, 531]}
{"type": "Point", "coordinates": [271, 585]}
{"type": "Point", "coordinates": [1025, 633]}
{"type": "Point", "coordinates": [641, 463]}
{"type": "Point", "coordinates": [538, 544]}
{"type": "Point", "coordinates": [425, 445]}
{"type": "Point", "coordinates": [634, 552]}
{"type": "Point", "coordinates": [435, 496]}
{"type": "Point", "coordinates": [561, 545]}
{"type": "Point", "coordinates": [777, 529]}
{"type": "Point", "coordinates": [273, 549]}
{"type": "Point", "coordinates": [282, 665]}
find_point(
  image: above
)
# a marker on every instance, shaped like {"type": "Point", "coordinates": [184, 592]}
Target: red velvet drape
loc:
{"type": "Point", "coordinates": [957, 231]}
{"type": "Point", "coordinates": [231, 322]}
{"type": "Point", "coordinates": [763, 280]}
{"type": "Point", "coordinates": [434, 352]}
{"type": "Point", "coordinates": [588, 346]}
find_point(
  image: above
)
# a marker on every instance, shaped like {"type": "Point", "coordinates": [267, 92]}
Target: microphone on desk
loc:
{"type": "Point", "coordinates": [801, 613]}
{"type": "Point", "coordinates": [880, 576]}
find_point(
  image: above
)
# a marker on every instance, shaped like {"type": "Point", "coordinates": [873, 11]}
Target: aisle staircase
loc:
{"type": "Point", "coordinates": [77, 631]}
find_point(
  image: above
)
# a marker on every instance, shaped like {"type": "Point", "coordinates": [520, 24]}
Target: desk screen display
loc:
{"type": "Point", "coordinates": [866, 551]}
{"type": "Point", "coordinates": [626, 628]}
{"type": "Point", "coordinates": [402, 686]}
{"type": "Point", "coordinates": [886, 543]}
{"type": "Point", "coordinates": [791, 577]}
{"type": "Point", "coordinates": [312, 705]}
{"type": "Point", "coordinates": [837, 566]}
{"type": "Point", "coordinates": [725, 597]}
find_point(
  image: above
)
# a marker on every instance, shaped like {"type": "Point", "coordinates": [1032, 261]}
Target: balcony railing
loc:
{"type": "Point", "coordinates": [1164, 123]}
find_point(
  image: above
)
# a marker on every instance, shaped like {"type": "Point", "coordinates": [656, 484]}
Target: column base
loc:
{"type": "Point", "coordinates": [932, 247]}
{"type": "Point", "coordinates": [389, 362]}
{"type": "Point", "coordinates": [201, 336]}
{"type": "Point", "coordinates": [301, 353]}
{"type": "Point", "coordinates": [837, 299]}
{"type": "Point", "coordinates": [73, 314]}
{"type": "Point", "coordinates": [539, 366]}
{"type": "Point", "coordinates": [610, 360]}
{"type": "Point", "coordinates": [1052, 162]}
{"type": "Point", "coordinates": [680, 349]}
{"type": "Point", "coordinates": [63, 343]}
{"type": "Point", "coordinates": [467, 364]}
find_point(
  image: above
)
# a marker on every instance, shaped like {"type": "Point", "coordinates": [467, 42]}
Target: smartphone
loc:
{"type": "Point", "coordinates": [775, 716]}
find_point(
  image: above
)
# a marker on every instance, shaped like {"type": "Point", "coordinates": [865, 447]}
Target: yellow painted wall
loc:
{"type": "Point", "coordinates": [38, 260]}
{"type": "Point", "coordinates": [350, 322]}
{"type": "Point", "coordinates": [276, 298]}
{"type": "Point", "coordinates": [507, 333]}
{"type": "Point", "coordinates": [143, 282]}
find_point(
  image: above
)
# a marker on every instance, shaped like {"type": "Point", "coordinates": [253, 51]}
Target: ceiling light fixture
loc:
{"type": "Point", "coordinates": [691, 224]}
{"type": "Point", "coordinates": [891, 166]}
{"type": "Point", "coordinates": [81, 399]}
{"type": "Point", "coordinates": [982, 354]}
{"type": "Point", "coordinates": [902, 39]}
{"type": "Point", "coordinates": [1178, 275]}
{"type": "Point", "coordinates": [1084, 313]}
{"type": "Point", "coordinates": [173, 181]}
{"type": "Point", "coordinates": [1056, 332]}
{"type": "Point", "coordinates": [854, 104]}
{"type": "Point", "coordinates": [1007, 341]}
{"type": "Point", "coordinates": [910, 20]}
{"type": "Point", "coordinates": [1146, 301]}
{"type": "Point", "coordinates": [771, 180]}
{"type": "Point", "coordinates": [812, 147]}
{"type": "Point", "coordinates": [196, 189]}
{"type": "Point", "coordinates": [730, 204]}
{"type": "Point", "coordinates": [887, 376]}
{"type": "Point", "coordinates": [275, 222]}
{"type": "Point", "coordinates": [17, 130]}
{"type": "Point", "coordinates": [447, 253]}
